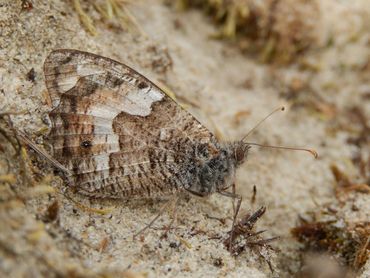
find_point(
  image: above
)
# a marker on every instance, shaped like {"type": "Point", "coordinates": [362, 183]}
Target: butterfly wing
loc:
{"type": "Point", "coordinates": [117, 132]}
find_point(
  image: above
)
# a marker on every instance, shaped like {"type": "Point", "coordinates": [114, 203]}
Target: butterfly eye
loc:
{"type": "Point", "coordinates": [86, 144]}
{"type": "Point", "coordinates": [239, 154]}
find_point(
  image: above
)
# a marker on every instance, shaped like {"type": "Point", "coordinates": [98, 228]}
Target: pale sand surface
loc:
{"type": "Point", "coordinates": [208, 77]}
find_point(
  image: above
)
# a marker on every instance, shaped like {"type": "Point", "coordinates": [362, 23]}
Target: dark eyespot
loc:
{"type": "Point", "coordinates": [86, 144]}
{"type": "Point", "coordinates": [142, 85]}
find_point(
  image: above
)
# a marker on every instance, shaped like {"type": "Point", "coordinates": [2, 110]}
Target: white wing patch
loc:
{"type": "Point", "coordinates": [67, 83]}
{"type": "Point", "coordinates": [119, 89]}
{"type": "Point", "coordinates": [138, 102]}
{"type": "Point", "coordinates": [89, 69]}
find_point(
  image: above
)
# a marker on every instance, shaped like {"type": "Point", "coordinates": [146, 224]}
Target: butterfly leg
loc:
{"type": "Point", "coordinates": [234, 193]}
{"type": "Point", "coordinates": [236, 211]}
{"type": "Point", "coordinates": [163, 208]}
{"type": "Point", "coordinates": [174, 203]}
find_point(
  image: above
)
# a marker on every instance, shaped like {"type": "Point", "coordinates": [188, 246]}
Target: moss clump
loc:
{"type": "Point", "coordinates": [348, 244]}
{"type": "Point", "coordinates": [338, 229]}
{"type": "Point", "coordinates": [276, 30]}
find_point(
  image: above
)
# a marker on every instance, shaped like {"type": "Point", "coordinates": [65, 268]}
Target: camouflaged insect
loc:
{"type": "Point", "coordinates": [120, 136]}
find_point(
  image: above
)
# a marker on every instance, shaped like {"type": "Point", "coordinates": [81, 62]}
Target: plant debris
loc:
{"type": "Point", "coordinates": [31, 75]}
{"type": "Point", "coordinates": [330, 231]}
{"type": "Point", "coordinates": [253, 199]}
{"type": "Point", "coordinates": [344, 185]}
{"type": "Point", "coordinates": [108, 10]}
{"type": "Point", "coordinates": [244, 236]}
{"type": "Point", "coordinates": [51, 212]}
{"type": "Point", "coordinates": [86, 20]}
{"type": "Point", "coordinates": [278, 30]}
{"type": "Point", "coordinates": [348, 243]}
{"type": "Point", "coordinates": [26, 5]}
{"type": "Point", "coordinates": [362, 137]}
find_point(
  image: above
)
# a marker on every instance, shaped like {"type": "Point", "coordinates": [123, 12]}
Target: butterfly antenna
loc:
{"type": "Point", "coordinates": [282, 108]}
{"type": "Point", "coordinates": [313, 152]}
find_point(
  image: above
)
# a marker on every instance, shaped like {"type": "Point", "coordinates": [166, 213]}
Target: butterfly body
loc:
{"type": "Point", "coordinates": [120, 136]}
{"type": "Point", "coordinates": [215, 173]}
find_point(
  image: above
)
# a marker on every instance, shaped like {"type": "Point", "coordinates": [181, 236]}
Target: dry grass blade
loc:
{"type": "Point", "coordinates": [126, 18]}
{"type": "Point", "coordinates": [110, 10]}
{"type": "Point", "coordinates": [362, 255]}
{"type": "Point", "coordinates": [85, 19]}
{"type": "Point", "coordinates": [44, 154]}
{"type": "Point", "coordinates": [8, 178]}
{"type": "Point", "coordinates": [103, 211]}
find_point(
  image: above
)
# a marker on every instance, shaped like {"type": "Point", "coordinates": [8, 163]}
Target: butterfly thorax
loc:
{"type": "Point", "coordinates": [213, 169]}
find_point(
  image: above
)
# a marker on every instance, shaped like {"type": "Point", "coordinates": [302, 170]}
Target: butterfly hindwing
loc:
{"type": "Point", "coordinates": [117, 132]}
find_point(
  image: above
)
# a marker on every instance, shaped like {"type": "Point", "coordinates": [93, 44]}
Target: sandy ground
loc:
{"type": "Point", "coordinates": [215, 82]}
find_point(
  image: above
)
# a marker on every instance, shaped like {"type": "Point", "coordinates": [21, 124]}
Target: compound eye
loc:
{"type": "Point", "coordinates": [239, 154]}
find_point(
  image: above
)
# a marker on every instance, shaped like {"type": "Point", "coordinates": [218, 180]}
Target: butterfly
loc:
{"type": "Point", "coordinates": [120, 136]}
{"type": "Point", "coordinates": [115, 134]}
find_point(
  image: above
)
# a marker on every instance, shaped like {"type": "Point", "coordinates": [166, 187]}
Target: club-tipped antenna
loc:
{"type": "Point", "coordinates": [282, 108]}
{"type": "Point", "coordinates": [313, 152]}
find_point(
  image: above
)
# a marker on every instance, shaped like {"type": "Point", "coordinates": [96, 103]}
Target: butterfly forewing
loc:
{"type": "Point", "coordinates": [118, 133]}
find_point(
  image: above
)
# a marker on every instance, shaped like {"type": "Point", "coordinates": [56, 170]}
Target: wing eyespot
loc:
{"type": "Point", "coordinates": [86, 144]}
{"type": "Point", "coordinates": [142, 85]}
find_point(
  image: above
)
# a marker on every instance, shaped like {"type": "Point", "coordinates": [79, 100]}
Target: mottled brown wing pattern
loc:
{"type": "Point", "coordinates": [117, 132]}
